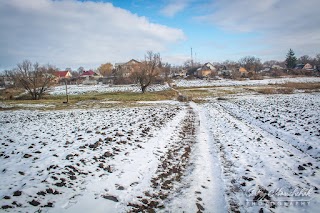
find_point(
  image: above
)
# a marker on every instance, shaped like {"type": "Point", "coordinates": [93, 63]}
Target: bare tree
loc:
{"type": "Point", "coordinates": [251, 63]}
{"type": "Point", "coordinates": [231, 65]}
{"type": "Point", "coordinates": [80, 70]}
{"type": "Point", "coordinates": [270, 63]}
{"type": "Point", "coordinates": [145, 72]}
{"type": "Point", "coordinates": [190, 64]}
{"type": "Point", "coordinates": [305, 59]}
{"type": "Point", "coordinates": [33, 78]}
{"type": "Point", "coordinates": [317, 58]}
{"type": "Point", "coordinates": [166, 70]}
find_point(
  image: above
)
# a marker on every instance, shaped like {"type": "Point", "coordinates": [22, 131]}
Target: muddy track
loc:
{"type": "Point", "coordinates": [267, 131]}
{"type": "Point", "coordinates": [245, 154]}
{"type": "Point", "coordinates": [171, 169]}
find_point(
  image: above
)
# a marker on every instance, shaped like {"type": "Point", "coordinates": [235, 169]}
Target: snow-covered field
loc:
{"type": "Point", "coordinates": [237, 155]}
{"type": "Point", "coordinates": [228, 82]}
{"type": "Point", "coordinates": [82, 89]}
{"type": "Point", "coordinates": [268, 144]}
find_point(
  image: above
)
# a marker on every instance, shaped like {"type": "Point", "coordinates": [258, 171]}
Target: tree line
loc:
{"type": "Point", "coordinates": [36, 79]}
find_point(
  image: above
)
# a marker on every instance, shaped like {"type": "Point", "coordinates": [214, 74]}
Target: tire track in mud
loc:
{"type": "Point", "coordinates": [268, 131]}
{"type": "Point", "coordinates": [171, 169]}
{"type": "Point", "coordinates": [253, 159]}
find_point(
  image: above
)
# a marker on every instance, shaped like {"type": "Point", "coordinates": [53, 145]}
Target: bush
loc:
{"type": "Point", "coordinates": [256, 76]}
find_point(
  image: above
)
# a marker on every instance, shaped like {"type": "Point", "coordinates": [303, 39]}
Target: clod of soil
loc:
{"type": "Point", "coordinates": [200, 207]}
{"type": "Point", "coordinates": [49, 204]}
{"type": "Point", "coordinates": [6, 207]}
{"type": "Point", "coordinates": [17, 193]}
{"type": "Point", "coordinates": [27, 156]}
{"type": "Point", "coordinates": [34, 203]}
{"type": "Point", "coordinates": [107, 154]}
{"type": "Point", "coordinates": [110, 197]}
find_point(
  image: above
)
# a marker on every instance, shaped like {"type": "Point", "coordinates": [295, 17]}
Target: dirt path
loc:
{"type": "Point", "coordinates": [188, 177]}
{"type": "Point", "coordinates": [167, 179]}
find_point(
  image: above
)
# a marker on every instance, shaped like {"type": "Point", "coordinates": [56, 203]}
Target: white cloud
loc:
{"type": "Point", "coordinates": [280, 24]}
{"type": "Point", "coordinates": [175, 59]}
{"type": "Point", "coordinates": [174, 7]}
{"type": "Point", "coordinates": [69, 33]}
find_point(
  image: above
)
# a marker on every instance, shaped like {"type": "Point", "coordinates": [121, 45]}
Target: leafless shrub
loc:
{"type": "Point", "coordinates": [35, 79]}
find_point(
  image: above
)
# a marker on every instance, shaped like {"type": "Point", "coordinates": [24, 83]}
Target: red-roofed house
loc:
{"type": "Point", "coordinates": [90, 77]}
{"type": "Point", "coordinates": [63, 74]}
{"type": "Point", "coordinates": [90, 74]}
{"type": "Point", "coordinates": [60, 75]}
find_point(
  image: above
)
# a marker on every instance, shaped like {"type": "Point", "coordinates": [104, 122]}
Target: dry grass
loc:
{"type": "Point", "coordinates": [256, 77]}
{"type": "Point", "coordinates": [274, 90]}
{"type": "Point", "coordinates": [195, 93]}
{"type": "Point", "coordinates": [10, 93]}
{"type": "Point", "coordinates": [91, 100]}
{"type": "Point", "coordinates": [288, 88]}
{"type": "Point", "coordinates": [302, 86]}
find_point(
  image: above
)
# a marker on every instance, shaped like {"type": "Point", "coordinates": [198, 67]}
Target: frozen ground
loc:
{"type": "Point", "coordinates": [249, 153]}
{"type": "Point", "coordinates": [228, 82]}
{"type": "Point", "coordinates": [258, 154]}
{"type": "Point", "coordinates": [82, 89]}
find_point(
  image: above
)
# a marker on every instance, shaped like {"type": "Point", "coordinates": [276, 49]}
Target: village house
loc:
{"type": "Point", "coordinates": [243, 71]}
{"type": "Point", "coordinates": [306, 66]}
{"type": "Point", "coordinates": [180, 73]}
{"type": "Point", "coordinates": [125, 69]}
{"type": "Point", "coordinates": [206, 70]}
{"type": "Point", "coordinates": [90, 77]}
{"type": "Point", "coordinates": [62, 75]}
{"type": "Point", "coordinates": [223, 70]}
{"type": "Point", "coordinates": [277, 67]}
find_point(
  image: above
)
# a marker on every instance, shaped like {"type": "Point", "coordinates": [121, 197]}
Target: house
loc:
{"type": "Point", "coordinates": [206, 70]}
{"type": "Point", "coordinates": [192, 71]}
{"type": "Point", "coordinates": [107, 80]}
{"type": "Point", "coordinates": [125, 69]}
{"type": "Point", "coordinates": [266, 69]}
{"type": "Point", "coordinates": [243, 71]}
{"type": "Point", "coordinates": [307, 66]}
{"type": "Point", "coordinates": [225, 73]}
{"type": "Point", "coordinates": [209, 66]}
{"type": "Point", "coordinates": [277, 67]}
{"type": "Point", "coordinates": [90, 75]}
{"type": "Point", "coordinates": [181, 73]}
{"type": "Point", "coordinates": [63, 74]}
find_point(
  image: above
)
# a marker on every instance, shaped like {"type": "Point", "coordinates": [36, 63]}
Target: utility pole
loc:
{"type": "Point", "coordinates": [66, 92]}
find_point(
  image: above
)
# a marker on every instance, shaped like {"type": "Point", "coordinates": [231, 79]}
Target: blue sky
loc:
{"type": "Point", "coordinates": [71, 33]}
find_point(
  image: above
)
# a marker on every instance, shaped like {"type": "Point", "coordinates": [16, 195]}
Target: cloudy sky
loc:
{"type": "Point", "coordinates": [74, 33]}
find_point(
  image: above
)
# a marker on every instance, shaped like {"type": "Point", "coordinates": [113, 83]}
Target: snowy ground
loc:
{"type": "Point", "coordinates": [228, 82]}
{"type": "Point", "coordinates": [82, 89]}
{"type": "Point", "coordinates": [270, 156]}
{"type": "Point", "coordinates": [235, 155]}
